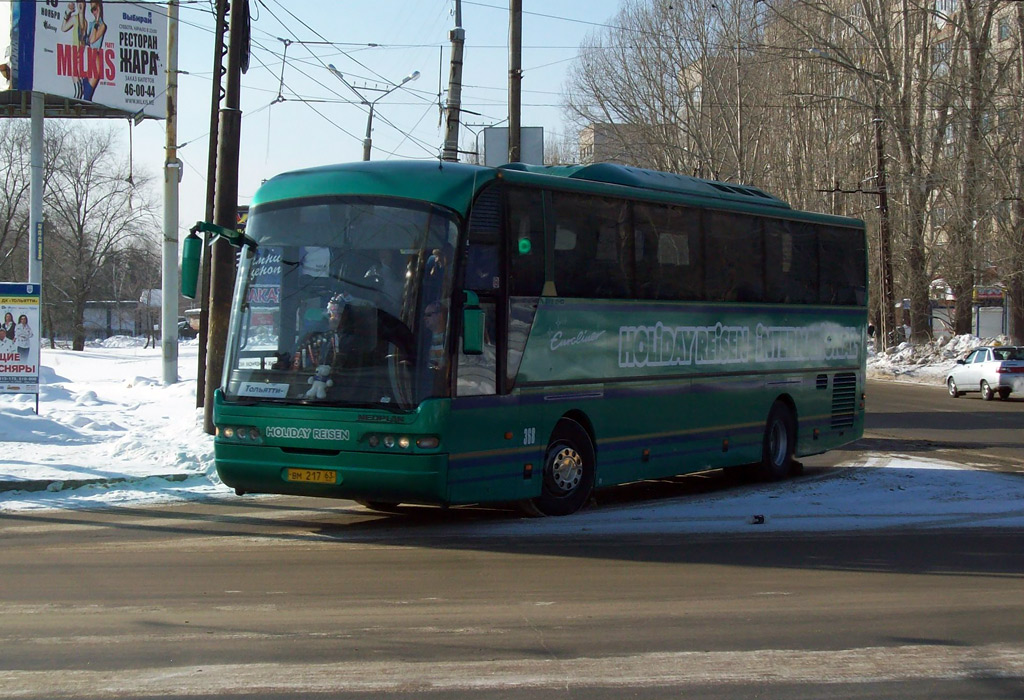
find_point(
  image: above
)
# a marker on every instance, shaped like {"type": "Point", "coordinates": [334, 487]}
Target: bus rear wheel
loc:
{"type": "Point", "coordinates": [568, 471]}
{"type": "Point", "coordinates": [778, 445]}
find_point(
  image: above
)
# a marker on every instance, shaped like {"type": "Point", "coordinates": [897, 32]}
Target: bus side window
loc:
{"type": "Point", "coordinates": [791, 262]}
{"type": "Point", "coordinates": [526, 251]}
{"type": "Point", "coordinates": [593, 251]}
{"type": "Point", "coordinates": [734, 264]}
{"type": "Point", "coordinates": [843, 273]}
{"type": "Point", "coordinates": [526, 241]}
{"type": "Point", "coordinates": [668, 256]}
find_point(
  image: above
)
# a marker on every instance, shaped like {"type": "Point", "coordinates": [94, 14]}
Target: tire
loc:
{"type": "Point", "coordinates": [953, 391]}
{"type": "Point", "coordinates": [986, 391]}
{"type": "Point", "coordinates": [568, 474]}
{"type": "Point", "coordinates": [1004, 393]}
{"type": "Point", "coordinates": [380, 506]}
{"type": "Point", "coordinates": [778, 444]}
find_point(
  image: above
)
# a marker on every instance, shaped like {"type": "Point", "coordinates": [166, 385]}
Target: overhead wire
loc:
{"type": "Point", "coordinates": [319, 60]}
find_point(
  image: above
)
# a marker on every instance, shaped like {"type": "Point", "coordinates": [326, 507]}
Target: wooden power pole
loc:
{"type": "Point", "coordinates": [451, 136]}
{"type": "Point", "coordinates": [515, 79]}
{"type": "Point", "coordinates": [219, 52]}
{"type": "Point", "coordinates": [222, 254]}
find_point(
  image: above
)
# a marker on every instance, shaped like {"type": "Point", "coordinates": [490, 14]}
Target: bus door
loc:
{"type": "Point", "coordinates": [504, 268]}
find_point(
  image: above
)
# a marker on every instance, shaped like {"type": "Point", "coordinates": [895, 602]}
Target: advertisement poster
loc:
{"type": "Point", "coordinates": [102, 51]}
{"type": "Point", "coordinates": [19, 338]}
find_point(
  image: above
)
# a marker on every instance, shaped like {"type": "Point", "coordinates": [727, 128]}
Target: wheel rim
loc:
{"type": "Point", "coordinates": [952, 388]}
{"type": "Point", "coordinates": [986, 390]}
{"type": "Point", "coordinates": [565, 469]}
{"type": "Point", "coordinates": [778, 443]}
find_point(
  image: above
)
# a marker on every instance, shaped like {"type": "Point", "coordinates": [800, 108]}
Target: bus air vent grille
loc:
{"type": "Point", "coordinates": [486, 215]}
{"type": "Point", "coordinates": [844, 399]}
{"type": "Point", "coordinates": [821, 381]}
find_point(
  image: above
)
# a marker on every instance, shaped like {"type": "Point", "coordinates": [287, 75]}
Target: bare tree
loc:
{"type": "Point", "coordinates": [625, 75]}
{"type": "Point", "coordinates": [970, 72]}
{"type": "Point", "coordinates": [15, 180]}
{"type": "Point", "coordinates": [97, 207]}
{"type": "Point", "coordinates": [889, 47]}
{"type": "Point", "coordinates": [561, 149]}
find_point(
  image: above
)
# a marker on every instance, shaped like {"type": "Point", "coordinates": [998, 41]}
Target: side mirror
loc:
{"type": "Point", "coordinates": [472, 325]}
{"type": "Point", "coordinates": [191, 254]}
{"type": "Point", "coordinates": [961, 362]}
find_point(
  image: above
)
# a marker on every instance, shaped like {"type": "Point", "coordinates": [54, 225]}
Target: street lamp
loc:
{"type": "Point", "coordinates": [887, 315]}
{"type": "Point", "coordinates": [367, 141]}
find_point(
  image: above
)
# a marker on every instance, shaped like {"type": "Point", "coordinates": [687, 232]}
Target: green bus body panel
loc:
{"type": "Point", "coordinates": [696, 397]}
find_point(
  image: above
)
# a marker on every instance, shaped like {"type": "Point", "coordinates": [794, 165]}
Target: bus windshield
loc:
{"type": "Point", "coordinates": [343, 303]}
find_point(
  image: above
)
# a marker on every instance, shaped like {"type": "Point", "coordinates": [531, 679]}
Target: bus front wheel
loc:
{"type": "Point", "coordinates": [778, 445]}
{"type": "Point", "coordinates": [380, 506]}
{"type": "Point", "coordinates": [568, 471]}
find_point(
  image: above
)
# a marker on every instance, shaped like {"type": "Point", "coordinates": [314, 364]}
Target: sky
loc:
{"type": "Point", "coordinates": [109, 434]}
{"type": "Point", "coordinates": [311, 118]}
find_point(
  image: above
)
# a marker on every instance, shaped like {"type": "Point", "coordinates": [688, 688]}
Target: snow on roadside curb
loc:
{"type": "Point", "coordinates": [925, 363]}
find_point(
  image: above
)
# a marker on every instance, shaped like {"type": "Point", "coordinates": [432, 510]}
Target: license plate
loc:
{"type": "Point", "coordinates": [312, 476]}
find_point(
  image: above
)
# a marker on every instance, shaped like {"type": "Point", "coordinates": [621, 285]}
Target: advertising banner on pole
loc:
{"type": "Point", "coordinates": [102, 51]}
{"type": "Point", "coordinates": [19, 338]}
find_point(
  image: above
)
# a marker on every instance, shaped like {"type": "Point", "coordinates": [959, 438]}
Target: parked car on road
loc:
{"type": "Point", "coordinates": [989, 369]}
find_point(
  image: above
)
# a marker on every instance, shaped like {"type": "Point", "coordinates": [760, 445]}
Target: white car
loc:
{"type": "Point", "coordinates": [990, 370]}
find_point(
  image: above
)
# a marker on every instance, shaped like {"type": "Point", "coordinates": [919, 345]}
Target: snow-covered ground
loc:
{"type": "Point", "coordinates": [109, 433]}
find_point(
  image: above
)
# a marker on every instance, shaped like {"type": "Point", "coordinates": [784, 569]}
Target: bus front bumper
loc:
{"type": "Point", "coordinates": [389, 478]}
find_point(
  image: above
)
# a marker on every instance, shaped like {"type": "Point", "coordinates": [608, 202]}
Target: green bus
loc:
{"type": "Point", "coordinates": [442, 333]}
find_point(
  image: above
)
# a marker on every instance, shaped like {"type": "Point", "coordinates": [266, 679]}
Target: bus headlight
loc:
{"type": "Point", "coordinates": [403, 442]}
{"type": "Point", "coordinates": [240, 433]}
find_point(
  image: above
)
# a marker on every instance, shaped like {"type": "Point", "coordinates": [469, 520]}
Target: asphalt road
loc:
{"type": "Point", "coordinates": [280, 597]}
{"type": "Point", "coordinates": [924, 420]}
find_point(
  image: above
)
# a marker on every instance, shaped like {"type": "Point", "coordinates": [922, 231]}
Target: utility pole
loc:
{"type": "Point", "coordinates": [888, 315]}
{"type": "Point", "coordinates": [515, 79]}
{"type": "Point", "coordinates": [172, 174]}
{"type": "Point", "coordinates": [368, 140]}
{"type": "Point", "coordinates": [458, 38]}
{"type": "Point", "coordinates": [222, 267]}
{"type": "Point", "coordinates": [887, 312]}
{"type": "Point", "coordinates": [219, 52]}
{"type": "Point", "coordinates": [36, 226]}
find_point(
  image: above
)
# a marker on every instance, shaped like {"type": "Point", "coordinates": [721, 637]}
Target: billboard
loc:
{"type": "Point", "coordinates": [101, 51]}
{"type": "Point", "coordinates": [531, 145]}
{"type": "Point", "coordinates": [19, 338]}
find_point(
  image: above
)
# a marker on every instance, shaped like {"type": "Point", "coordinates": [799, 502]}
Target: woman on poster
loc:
{"type": "Point", "coordinates": [7, 346]}
{"type": "Point", "coordinates": [76, 24]}
{"type": "Point", "coordinates": [96, 30]}
{"type": "Point", "coordinates": [8, 325]}
{"type": "Point", "coordinates": [22, 337]}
